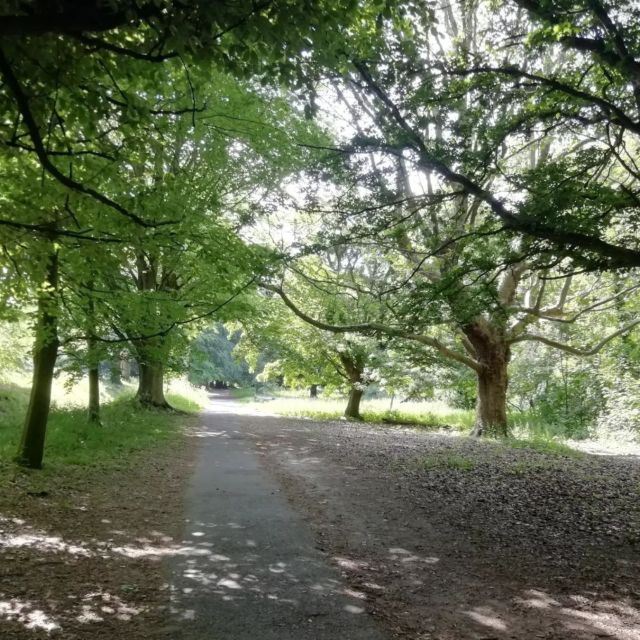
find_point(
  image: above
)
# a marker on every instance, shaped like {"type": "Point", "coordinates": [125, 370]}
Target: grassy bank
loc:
{"type": "Point", "coordinates": [427, 415]}
{"type": "Point", "coordinates": [71, 440]}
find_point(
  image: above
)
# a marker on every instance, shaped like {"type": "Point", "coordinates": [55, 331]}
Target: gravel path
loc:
{"type": "Point", "coordinates": [449, 538]}
{"type": "Point", "coordinates": [248, 567]}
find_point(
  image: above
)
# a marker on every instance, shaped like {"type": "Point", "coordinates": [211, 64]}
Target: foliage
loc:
{"type": "Point", "coordinates": [211, 358]}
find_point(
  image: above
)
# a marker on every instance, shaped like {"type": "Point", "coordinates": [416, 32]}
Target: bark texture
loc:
{"type": "Point", "coordinates": [45, 353]}
{"type": "Point", "coordinates": [492, 352]}
{"type": "Point", "coordinates": [353, 404]}
{"type": "Point", "coordinates": [354, 369]}
{"type": "Point", "coordinates": [94, 395]}
{"type": "Point", "coordinates": [151, 385]}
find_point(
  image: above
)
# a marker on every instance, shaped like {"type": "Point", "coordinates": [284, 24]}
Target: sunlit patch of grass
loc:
{"type": "Point", "coordinates": [543, 445]}
{"type": "Point", "coordinates": [182, 403]}
{"type": "Point", "coordinates": [246, 393]}
{"type": "Point", "coordinates": [71, 440]}
{"type": "Point", "coordinates": [184, 396]}
{"type": "Point", "coordinates": [429, 415]}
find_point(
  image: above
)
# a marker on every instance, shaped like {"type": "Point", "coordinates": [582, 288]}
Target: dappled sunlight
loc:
{"type": "Point", "coordinates": [89, 608]}
{"type": "Point", "coordinates": [42, 542]}
{"type": "Point", "coordinates": [245, 577]}
{"type": "Point", "coordinates": [26, 613]}
{"type": "Point", "coordinates": [404, 556]}
{"type": "Point", "coordinates": [579, 616]}
{"type": "Point", "coordinates": [487, 618]}
{"type": "Point", "coordinates": [236, 579]}
{"type": "Point", "coordinates": [233, 579]}
{"type": "Point", "coordinates": [96, 605]}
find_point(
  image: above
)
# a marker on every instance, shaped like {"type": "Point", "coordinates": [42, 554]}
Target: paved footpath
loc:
{"type": "Point", "coordinates": [247, 567]}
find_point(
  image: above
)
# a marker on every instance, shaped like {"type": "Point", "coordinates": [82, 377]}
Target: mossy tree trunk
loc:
{"type": "Point", "coordinates": [45, 353]}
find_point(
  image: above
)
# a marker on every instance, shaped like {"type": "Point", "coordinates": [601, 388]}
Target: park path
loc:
{"type": "Point", "coordinates": [248, 567]}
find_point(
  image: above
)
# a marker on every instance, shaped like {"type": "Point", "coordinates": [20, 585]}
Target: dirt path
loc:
{"type": "Point", "coordinates": [447, 538]}
{"type": "Point", "coordinates": [248, 566]}
{"type": "Point", "coordinates": [296, 529]}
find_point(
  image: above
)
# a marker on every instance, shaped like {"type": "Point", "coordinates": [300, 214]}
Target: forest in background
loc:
{"type": "Point", "coordinates": [422, 200]}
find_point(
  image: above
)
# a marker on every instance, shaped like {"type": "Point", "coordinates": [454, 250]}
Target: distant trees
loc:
{"type": "Point", "coordinates": [482, 185]}
{"type": "Point", "coordinates": [211, 358]}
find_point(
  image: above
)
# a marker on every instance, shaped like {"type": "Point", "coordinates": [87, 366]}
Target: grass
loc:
{"type": "Point", "coordinates": [246, 393]}
{"type": "Point", "coordinates": [547, 446]}
{"type": "Point", "coordinates": [427, 415]}
{"type": "Point", "coordinates": [71, 440]}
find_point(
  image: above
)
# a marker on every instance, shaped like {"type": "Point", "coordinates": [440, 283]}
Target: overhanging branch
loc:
{"type": "Point", "coordinates": [575, 351]}
{"type": "Point", "coordinates": [369, 328]}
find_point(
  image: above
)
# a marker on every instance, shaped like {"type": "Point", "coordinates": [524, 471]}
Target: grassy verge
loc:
{"type": "Point", "coordinates": [423, 415]}
{"type": "Point", "coordinates": [548, 446]}
{"type": "Point", "coordinates": [72, 441]}
{"type": "Point", "coordinates": [427, 415]}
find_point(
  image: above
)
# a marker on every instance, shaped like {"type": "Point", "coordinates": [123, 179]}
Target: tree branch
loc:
{"type": "Point", "coordinates": [23, 106]}
{"type": "Point", "coordinates": [373, 328]}
{"type": "Point", "coordinates": [574, 350]}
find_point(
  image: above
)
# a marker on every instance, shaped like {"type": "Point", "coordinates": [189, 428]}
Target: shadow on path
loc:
{"type": "Point", "coordinates": [248, 566]}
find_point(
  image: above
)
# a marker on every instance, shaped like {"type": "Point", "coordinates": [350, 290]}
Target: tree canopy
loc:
{"type": "Point", "coordinates": [381, 195]}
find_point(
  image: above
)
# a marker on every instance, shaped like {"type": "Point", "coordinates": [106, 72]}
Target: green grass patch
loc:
{"type": "Point", "coordinates": [71, 440]}
{"type": "Point", "coordinates": [448, 461]}
{"type": "Point", "coordinates": [543, 445]}
{"type": "Point", "coordinates": [428, 415]}
{"type": "Point", "coordinates": [246, 393]}
{"type": "Point", "coordinates": [184, 403]}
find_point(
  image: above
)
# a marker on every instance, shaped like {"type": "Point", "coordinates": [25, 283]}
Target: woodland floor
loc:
{"type": "Point", "coordinates": [81, 548]}
{"type": "Point", "coordinates": [450, 538]}
{"type": "Point", "coordinates": [435, 536]}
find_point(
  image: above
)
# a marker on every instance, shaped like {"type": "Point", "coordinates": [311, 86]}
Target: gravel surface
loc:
{"type": "Point", "coordinates": [81, 549]}
{"type": "Point", "coordinates": [451, 538]}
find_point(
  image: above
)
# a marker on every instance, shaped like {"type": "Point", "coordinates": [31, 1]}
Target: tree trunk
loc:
{"type": "Point", "coordinates": [491, 405]}
{"type": "Point", "coordinates": [354, 370]}
{"type": "Point", "coordinates": [125, 367]}
{"type": "Point", "coordinates": [313, 391]}
{"type": "Point", "coordinates": [151, 385]}
{"type": "Point", "coordinates": [115, 375]}
{"type": "Point", "coordinates": [94, 394]}
{"type": "Point", "coordinates": [353, 405]}
{"type": "Point", "coordinates": [94, 362]}
{"type": "Point", "coordinates": [493, 354]}
{"type": "Point", "coordinates": [45, 353]}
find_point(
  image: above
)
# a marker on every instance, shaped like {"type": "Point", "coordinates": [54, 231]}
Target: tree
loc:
{"type": "Point", "coordinates": [436, 155]}
{"type": "Point", "coordinates": [211, 358]}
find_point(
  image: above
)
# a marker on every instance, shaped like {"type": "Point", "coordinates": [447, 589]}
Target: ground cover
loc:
{"type": "Point", "coordinates": [81, 540]}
